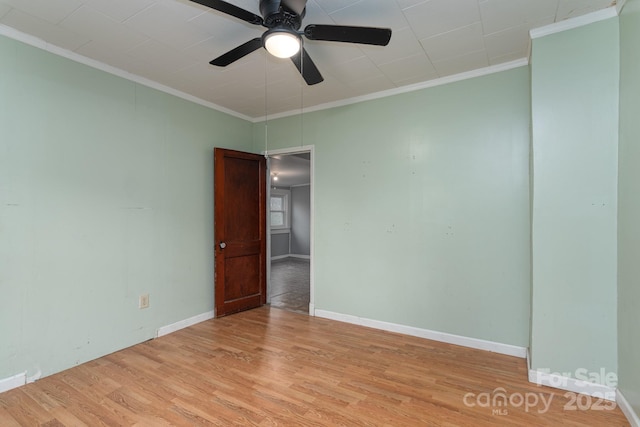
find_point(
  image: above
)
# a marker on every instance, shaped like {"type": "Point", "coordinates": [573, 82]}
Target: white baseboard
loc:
{"type": "Point", "coordinates": [572, 384]}
{"type": "Point", "coordinates": [35, 377]}
{"type": "Point", "coordinates": [277, 257]}
{"type": "Point", "coordinates": [299, 256]}
{"type": "Point", "coordinates": [627, 410]}
{"type": "Point", "coordinates": [165, 330]}
{"type": "Point", "coordinates": [508, 349]}
{"type": "Point", "coordinates": [15, 381]}
{"type": "Point", "coordinates": [19, 380]}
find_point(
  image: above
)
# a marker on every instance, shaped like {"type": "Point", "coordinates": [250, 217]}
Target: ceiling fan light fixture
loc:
{"type": "Point", "coordinates": [284, 39]}
{"type": "Point", "coordinates": [282, 43]}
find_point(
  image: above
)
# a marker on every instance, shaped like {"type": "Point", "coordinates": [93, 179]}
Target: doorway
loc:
{"type": "Point", "coordinates": [290, 229]}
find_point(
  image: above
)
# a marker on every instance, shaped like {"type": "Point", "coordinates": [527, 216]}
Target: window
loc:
{"type": "Point", "coordinates": [279, 209]}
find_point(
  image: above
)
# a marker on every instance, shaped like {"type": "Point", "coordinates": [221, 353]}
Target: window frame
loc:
{"type": "Point", "coordinates": [285, 195]}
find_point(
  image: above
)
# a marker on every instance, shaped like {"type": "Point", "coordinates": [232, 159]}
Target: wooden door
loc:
{"type": "Point", "coordinates": [240, 231]}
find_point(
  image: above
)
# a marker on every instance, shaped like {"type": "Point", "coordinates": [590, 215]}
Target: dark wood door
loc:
{"type": "Point", "coordinates": [240, 231]}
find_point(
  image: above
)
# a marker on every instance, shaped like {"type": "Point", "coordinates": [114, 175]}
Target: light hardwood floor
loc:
{"type": "Point", "coordinates": [270, 367]}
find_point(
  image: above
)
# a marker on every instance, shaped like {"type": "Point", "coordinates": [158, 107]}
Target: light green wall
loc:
{"type": "Point", "coordinates": [575, 77]}
{"type": "Point", "coordinates": [629, 206]}
{"type": "Point", "coordinates": [422, 206]}
{"type": "Point", "coordinates": [105, 193]}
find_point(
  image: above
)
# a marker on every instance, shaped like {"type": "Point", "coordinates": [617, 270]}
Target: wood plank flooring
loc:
{"type": "Point", "coordinates": [271, 367]}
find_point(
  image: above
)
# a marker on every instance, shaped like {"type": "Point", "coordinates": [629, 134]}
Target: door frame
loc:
{"type": "Point", "coordinates": [286, 151]}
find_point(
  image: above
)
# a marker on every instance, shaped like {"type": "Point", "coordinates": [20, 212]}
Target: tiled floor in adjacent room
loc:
{"type": "Point", "coordinates": [290, 279]}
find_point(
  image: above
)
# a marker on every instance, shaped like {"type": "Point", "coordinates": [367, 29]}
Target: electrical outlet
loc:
{"type": "Point", "coordinates": [143, 302]}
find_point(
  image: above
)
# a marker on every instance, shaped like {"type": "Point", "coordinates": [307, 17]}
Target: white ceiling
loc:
{"type": "Point", "coordinates": [172, 41]}
{"type": "Point", "coordinates": [290, 169]}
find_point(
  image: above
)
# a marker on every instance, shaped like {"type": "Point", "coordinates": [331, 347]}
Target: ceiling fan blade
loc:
{"type": "Point", "coordinates": [307, 68]}
{"type": "Point", "coordinates": [240, 52]}
{"type": "Point", "coordinates": [232, 10]}
{"type": "Point", "coordinates": [296, 6]}
{"type": "Point", "coordinates": [342, 33]}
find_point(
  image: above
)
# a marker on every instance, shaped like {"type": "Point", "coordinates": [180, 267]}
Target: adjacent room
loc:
{"type": "Point", "coordinates": [459, 245]}
{"type": "Point", "coordinates": [290, 231]}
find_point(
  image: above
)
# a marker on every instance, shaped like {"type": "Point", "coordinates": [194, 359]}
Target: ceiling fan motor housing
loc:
{"type": "Point", "coordinates": [277, 15]}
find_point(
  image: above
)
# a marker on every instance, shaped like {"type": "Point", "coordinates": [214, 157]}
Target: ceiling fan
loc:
{"type": "Point", "coordinates": [283, 37]}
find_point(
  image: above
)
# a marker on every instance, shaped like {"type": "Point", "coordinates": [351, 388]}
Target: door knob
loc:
{"type": "Point", "coordinates": [223, 245]}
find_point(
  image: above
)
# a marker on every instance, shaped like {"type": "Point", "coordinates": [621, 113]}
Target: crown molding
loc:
{"type": "Point", "coordinates": [557, 27]}
{"type": "Point", "coordinates": [620, 5]}
{"type": "Point", "coordinates": [36, 42]}
{"type": "Point", "coordinates": [576, 22]}
{"type": "Point", "coordinates": [403, 89]}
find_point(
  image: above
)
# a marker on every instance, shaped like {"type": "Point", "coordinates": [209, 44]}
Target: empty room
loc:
{"type": "Point", "coordinates": [466, 220]}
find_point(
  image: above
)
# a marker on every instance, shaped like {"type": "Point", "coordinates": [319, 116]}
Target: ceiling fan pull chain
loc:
{"type": "Point", "coordinates": [266, 114]}
{"type": "Point", "coordinates": [301, 100]}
